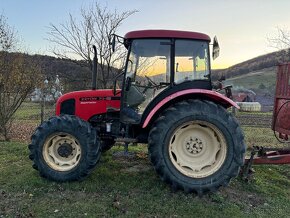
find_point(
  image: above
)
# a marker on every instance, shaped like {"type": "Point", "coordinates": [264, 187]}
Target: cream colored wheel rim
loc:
{"type": "Point", "coordinates": [61, 151]}
{"type": "Point", "coordinates": [197, 149]}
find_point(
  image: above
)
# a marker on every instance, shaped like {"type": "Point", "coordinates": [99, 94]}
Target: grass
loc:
{"type": "Point", "coordinates": [254, 113]}
{"type": "Point", "coordinates": [260, 137]}
{"type": "Point", "coordinates": [132, 189]}
{"type": "Point", "coordinates": [32, 111]}
{"type": "Point", "coordinates": [267, 77]}
{"type": "Point", "coordinates": [28, 110]}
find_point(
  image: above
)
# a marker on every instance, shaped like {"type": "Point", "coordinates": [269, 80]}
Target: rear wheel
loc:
{"type": "Point", "coordinates": [64, 148]}
{"type": "Point", "coordinates": [196, 146]}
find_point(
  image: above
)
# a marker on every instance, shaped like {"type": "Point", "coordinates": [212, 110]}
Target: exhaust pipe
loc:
{"type": "Point", "coordinates": [95, 70]}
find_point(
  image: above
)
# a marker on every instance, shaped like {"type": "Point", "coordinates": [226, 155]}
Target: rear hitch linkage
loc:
{"type": "Point", "coordinates": [264, 155]}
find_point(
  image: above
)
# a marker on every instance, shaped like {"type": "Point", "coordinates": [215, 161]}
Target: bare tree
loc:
{"type": "Point", "coordinates": [8, 39]}
{"type": "Point", "coordinates": [281, 42]}
{"type": "Point", "coordinates": [17, 76]}
{"type": "Point", "coordinates": [75, 38]}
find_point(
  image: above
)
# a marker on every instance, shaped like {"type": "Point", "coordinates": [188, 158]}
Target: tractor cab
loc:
{"type": "Point", "coordinates": [159, 63]}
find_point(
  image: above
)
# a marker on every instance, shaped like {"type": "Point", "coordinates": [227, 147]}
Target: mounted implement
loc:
{"type": "Point", "coordinates": [166, 101]}
{"type": "Point", "coordinates": [280, 126]}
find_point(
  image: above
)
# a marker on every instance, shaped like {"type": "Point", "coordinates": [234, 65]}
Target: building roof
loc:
{"type": "Point", "coordinates": [243, 97]}
{"type": "Point", "coordinates": [166, 34]}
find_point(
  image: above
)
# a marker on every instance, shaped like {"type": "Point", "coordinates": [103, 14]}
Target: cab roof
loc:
{"type": "Point", "coordinates": [141, 34]}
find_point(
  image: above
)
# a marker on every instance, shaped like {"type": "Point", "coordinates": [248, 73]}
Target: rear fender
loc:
{"type": "Point", "coordinates": [208, 94]}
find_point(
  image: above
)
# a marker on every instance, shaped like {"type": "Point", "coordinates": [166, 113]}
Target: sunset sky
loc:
{"type": "Point", "coordinates": [242, 27]}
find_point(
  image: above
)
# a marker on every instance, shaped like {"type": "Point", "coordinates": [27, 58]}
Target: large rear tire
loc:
{"type": "Point", "coordinates": [196, 146]}
{"type": "Point", "coordinates": [64, 148]}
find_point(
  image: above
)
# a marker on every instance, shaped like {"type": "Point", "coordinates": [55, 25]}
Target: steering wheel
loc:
{"type": "Point", "coordinates": [151, 82]}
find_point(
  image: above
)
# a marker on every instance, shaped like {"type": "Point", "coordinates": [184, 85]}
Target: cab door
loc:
{"type": "Point", "coordinates": [147, 73]}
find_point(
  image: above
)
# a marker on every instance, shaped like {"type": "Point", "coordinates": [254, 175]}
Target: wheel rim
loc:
{"type": "Point", "coordinates": [62, 151]}
{"type": "Point", "coordinates": [197, 149]}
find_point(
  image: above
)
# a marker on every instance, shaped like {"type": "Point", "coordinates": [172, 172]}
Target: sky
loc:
{"type": "Point", "coordinates": [242, 26]}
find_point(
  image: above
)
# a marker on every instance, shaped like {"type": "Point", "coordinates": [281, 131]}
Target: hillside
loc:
{"type": "Point", "coordinates": [257, 74]}
{"type": "Point", "coordinates": [261, 82]}
{"type": "Point", "coordinates": [261, 79]}
{"type": "Point", "coordinates": [253, 65]}
{"type": "Point", "coordinates": [75, 75]}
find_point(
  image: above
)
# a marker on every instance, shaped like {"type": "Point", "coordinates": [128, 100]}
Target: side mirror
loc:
{"type": "Point", "coordinates": [215, 48]}
{"type": "Point", "coordinates": [115, 38]}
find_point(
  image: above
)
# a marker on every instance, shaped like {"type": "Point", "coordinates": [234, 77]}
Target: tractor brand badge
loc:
{"type": "Point", "coordinates": [93, 100]}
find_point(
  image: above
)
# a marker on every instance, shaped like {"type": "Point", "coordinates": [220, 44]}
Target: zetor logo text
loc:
{"type": "Point", "coordinates": [92, 100]}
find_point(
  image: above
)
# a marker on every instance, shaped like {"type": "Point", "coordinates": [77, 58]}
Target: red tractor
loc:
{"type": "Point", "coordinates": [166, 101]}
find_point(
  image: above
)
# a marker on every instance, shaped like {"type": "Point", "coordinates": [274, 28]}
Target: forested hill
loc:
{"type": "Point", "coordinates": [75, 75]}
{"type": "Point", "coordinates": [255, 64]}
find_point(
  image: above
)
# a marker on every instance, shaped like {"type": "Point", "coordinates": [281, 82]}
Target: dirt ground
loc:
{"type": "Point", "coordinates": [22, 130]}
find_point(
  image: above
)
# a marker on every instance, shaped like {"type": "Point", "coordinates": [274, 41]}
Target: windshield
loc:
{"type": "Point", "coordinates": [149, 69]}
{"type": "Point", "coordinates": [149, 58]}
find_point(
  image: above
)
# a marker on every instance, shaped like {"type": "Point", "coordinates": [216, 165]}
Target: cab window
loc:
{"type": "Point", "coordinates": [191, 61]}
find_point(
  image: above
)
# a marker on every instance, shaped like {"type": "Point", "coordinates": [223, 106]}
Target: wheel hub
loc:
{"type": "Point", "coordinates": [194, 145]}
{"type": "Point", "coordinates": [65, 150]}
{"type": "Point", "coordinates": [62, 151]}
{"type": "Point", "coordinates": [197, 149]}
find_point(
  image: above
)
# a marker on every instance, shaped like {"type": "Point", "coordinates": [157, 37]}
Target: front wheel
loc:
{"type": "Point", "coordinates": [196, 146]}
{"type": "Point", "coordinates": [64, 148]}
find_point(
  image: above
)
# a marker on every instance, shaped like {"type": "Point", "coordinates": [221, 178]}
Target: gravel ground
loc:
{"type": "Point", "coordinates": [255, 120]}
